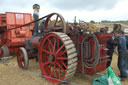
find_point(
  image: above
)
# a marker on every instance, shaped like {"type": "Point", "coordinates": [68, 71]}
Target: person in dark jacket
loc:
{"type": "Point", "coordinates": [127, 48]}
{"type": "Point", "coordinates": [104, 30]}
{"type": "Point", "coordinates": [111, 44]}
{"type": "Point", "coordinates": [122, 58]}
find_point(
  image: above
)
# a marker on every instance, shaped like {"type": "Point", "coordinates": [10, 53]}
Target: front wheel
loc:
{"type": "Point", "coordinates": [22, 58]}
{"type": "Point", "coordinates": [4, 51]}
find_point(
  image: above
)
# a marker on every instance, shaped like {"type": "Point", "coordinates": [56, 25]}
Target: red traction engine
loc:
{"type": "Point", "coordinates": [63, 51]}
{"type": "Point", "coordinates": [11, 39]}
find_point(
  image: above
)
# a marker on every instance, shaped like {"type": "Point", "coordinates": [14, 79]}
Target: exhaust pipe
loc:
{"type": "Point", "coordinates": [36, 8]}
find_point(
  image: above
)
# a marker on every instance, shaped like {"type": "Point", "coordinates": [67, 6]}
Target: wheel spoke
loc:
{"type": "Point", "coordinates": [62, 58]}
{"type": "Point", "coordinates": [50, 43]}
{"type": "Point", "coordinates": [52, 70]}
{"type": "Point", "coordinates": [47, 63]}
{"type": "Point", "coordinates": [61, 67]}
{"type": "Point", "coordinates": [58, 43]}
{"type": "Point", "coordinates": [50, 23]}
{"type": "Point", "coordinates": [56, 72]}
{"type": "Point", "coordinates": [51, 65]}
{"type": "Point", "coordinates": [56, 21]}
{"type": "Point", "coordinates": [59, 49]}
{"type": "Point", "coordinates": [20, 61]}
{"type": "Point", "coordinates": [49, 48]}
{"type": "Point", "coordinates": [48, 69]}
{"type": "Point", "coordinates": [62, 53]}
{"type": "Point", "coordinates": [45, 51]}
{"type": "Point", "coordinates": [59, 72]}
{"type": "Point", "coordinates": [22, 57]}
{"type": "Point", "coordinates": [46, 56]}
{"type": "Point", "coordinates": [54, 44]}
{"type": "Point", "coordinates": [64, 64]}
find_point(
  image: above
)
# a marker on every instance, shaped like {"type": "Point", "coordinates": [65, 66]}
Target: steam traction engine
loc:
{"type": "Point", "coordinates": [63, 50]}
{"type": "Point", "coordinates": [12, 39]}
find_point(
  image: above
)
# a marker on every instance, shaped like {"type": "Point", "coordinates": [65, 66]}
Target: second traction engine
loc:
{"type": "Point", "coordinates": [63, 50]}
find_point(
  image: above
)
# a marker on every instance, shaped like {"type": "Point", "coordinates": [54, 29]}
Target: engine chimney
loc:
{"type": "Point", "coordinates": [36, 8]}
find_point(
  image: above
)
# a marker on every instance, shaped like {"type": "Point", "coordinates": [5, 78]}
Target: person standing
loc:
{"type": "Point", "coordinates": [127, 48]}
{"type": "Point", "coordinates": [122, 58]}
{"type": "Point", "coordinates": [111, 44]}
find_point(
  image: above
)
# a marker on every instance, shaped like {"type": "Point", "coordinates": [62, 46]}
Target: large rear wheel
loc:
{"type": "Point", "coordinates": [57, 57]}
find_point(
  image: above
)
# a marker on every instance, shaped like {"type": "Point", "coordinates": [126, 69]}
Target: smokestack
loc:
{"type": "Point", "coordinates": [36, 8]}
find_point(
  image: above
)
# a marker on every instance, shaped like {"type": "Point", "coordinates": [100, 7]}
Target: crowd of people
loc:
{"type": "Point", "coordinates": [120, 41]}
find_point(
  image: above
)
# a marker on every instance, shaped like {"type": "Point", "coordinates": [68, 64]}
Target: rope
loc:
{"type": "Point", "coordinates": [86, 62]}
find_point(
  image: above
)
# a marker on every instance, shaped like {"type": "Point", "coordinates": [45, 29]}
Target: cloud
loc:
{"type": "Point", "coordinates": [83, 4]}
{"type": "Point", "coordinates": [84, 9]}
{"type": "Point", "coordinates": [61, 4]}
{"type": "Point", "coordinates": [15, 5]}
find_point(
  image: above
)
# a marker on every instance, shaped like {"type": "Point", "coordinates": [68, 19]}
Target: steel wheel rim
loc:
{"type": "Point", "coordinates": [53, 63]}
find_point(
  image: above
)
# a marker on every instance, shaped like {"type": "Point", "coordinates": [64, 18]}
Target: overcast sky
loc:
{"type": "Point", "coordinates": [86, 10]}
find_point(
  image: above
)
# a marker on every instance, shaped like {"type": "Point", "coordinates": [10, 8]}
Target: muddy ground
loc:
{"type": "Point", "coordinates": [10, 74]}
